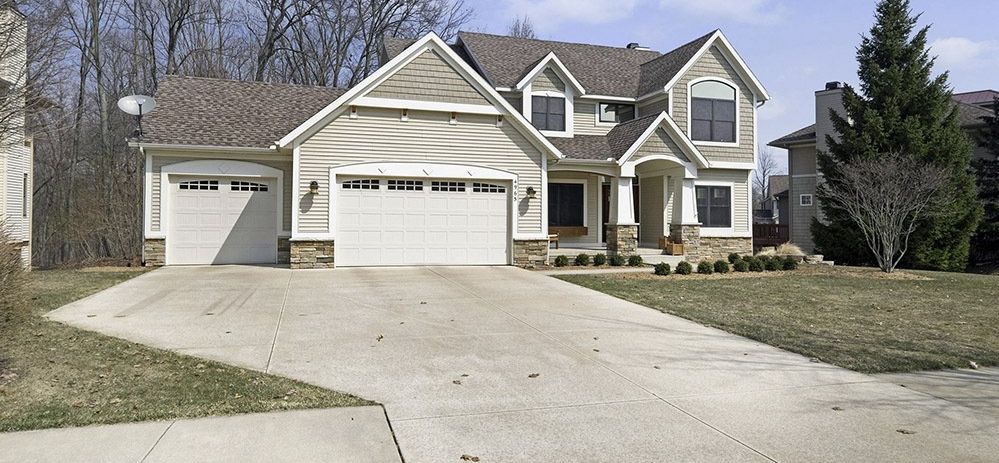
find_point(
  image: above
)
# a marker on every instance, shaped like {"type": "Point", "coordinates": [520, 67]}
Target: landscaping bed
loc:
{"type": "Point", "coordinates": [857, 318]}
{"type": "Point", "coordinates": [54, 375]}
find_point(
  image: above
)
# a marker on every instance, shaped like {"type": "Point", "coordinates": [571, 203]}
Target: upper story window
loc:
{"type": "Point", "coordinates": [548, 113]}
{"type": "Point", "coordinates": [616, 112]}
{"type": "Point", "coordinates": [712, 112]}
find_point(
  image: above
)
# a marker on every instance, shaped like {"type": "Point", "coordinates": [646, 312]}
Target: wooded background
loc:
{"type": "Point", "coordinates": [85, 54]}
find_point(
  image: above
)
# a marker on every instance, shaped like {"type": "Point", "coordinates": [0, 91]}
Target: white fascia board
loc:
{"type": "Point", "coordinates": [177, 147]}
{"type": "Point", "coordinates": [667, 122]}
{"type": "Point", "coordinates": [740, 66]}
{"type": "Point", "coordinates": [431, 40]}
{"type": "Point", "coordinates": [623, 99]}
{"type": "Point", "coordinates": [550, 58]}
{"type": "Point", "coordinates": [418, 105]}
{"type": "Point", "coordinates": [732, 165]}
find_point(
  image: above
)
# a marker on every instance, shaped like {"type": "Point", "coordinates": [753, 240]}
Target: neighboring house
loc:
{"type": "Point", "coordinates": [16, 152]}
{"type": "Point", "coordinates": [775, 208]}
{"type": "Point", "coordinates": [803, 144]}
{"type": "Point", "coordinates": [471, 153]}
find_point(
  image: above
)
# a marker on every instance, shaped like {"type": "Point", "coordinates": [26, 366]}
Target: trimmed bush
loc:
{"type": "Point", "coordinates": [756, 265]}
{"type": "Point", "coordinates": [561, 261]}
{"type": "Point", "coordinates": [721, 266]}
{"type": "Point", "coordinates": [705, 268]}
{"type": "Point", "coordinates": [734, 257]}
{"type": "Point", "coordinates": [663, 269]}
{"type": "Point", "coordinates": [617, 260]}
{"type": "Point", "coordinates": [635, 261]}
{"type": "Point", "coordinates": [582, 259]}
{"type": "Point", "coordinates": [684, 268]}
{"type": "Point", "coordinates": [790, 263]}
{"type": "Point", "coordinates": [599, 259]}
{"type": "Point", "coordinates": [741, 265]}
{"type": "Point", "coordinates": [774, 264]}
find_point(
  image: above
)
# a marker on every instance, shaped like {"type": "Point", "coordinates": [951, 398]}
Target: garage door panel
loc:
{"type": "Point", "coordinates": [410, 225]}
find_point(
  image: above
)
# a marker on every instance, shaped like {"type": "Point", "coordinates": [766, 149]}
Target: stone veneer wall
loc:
{"type": "Point", "coordinates": [690, 236]}
{"type": "Point", "coordinates": [530, 253]}
{"type": "Point", "coordinates": [311, 254]}
{"type": "Point", "coordinates": [154, 252]}
{"type": "Point", "coordinates": [720, 247]}
{"type": "Point", "coordinates": [622, 239]}
{"type": "Point", "coordinates": [284, 250]}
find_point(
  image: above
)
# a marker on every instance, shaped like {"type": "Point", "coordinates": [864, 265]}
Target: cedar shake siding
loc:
{"type": "Point", "coordinates": [429, 78]}
{"type": "Point", "coordinates": [548, 81]}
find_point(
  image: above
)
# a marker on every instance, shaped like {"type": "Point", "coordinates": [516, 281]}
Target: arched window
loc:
{"type": "Point", "coordinates": [712, 112]}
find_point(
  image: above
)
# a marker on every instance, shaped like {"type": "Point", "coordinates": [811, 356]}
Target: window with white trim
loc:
{"type": "Point", "coordinates": [566, 204]}
{"type": "Point", "coordinates": [615, 113]}
{"type": "Point", "coordinates": [247, 186]}
{"type": "Point", "coordinates": [714, 206]}
{"type": "Point", "coordinates": [487, 188]}
{"type": "Point", "coordinates": [204, 185]}
{"type": "Point", "coordinates": [712, 112]}
{"type": "Point", "coordinates": [360, 184]}
{"type": "Point", "coordinates": [805, 200]}
{"type": "Point", "coordinates": [25, 195]}
{"type": "Point", "coordinates": [405, 185]}
{"type": "Point", "coordinates": [548, 113]}
{"type": "Point", "coordinates": [447, 186]}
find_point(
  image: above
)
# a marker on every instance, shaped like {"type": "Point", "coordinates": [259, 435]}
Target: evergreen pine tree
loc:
{"type": "Point", "coordinates": [901, 108]}
{"type": "Point", "coordinates": [985, 244]}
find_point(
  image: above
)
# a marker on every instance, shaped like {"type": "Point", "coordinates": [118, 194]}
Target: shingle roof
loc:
{"type": "Point", "coordinates": [622, 136]}
{"type": "Point", "coordinates": [978, 97]}
{"type": "Point", "coordinates": [218, 112]}
{"type": "Point", "coordinates": [592, 147]}
{"type": "Point", "coordinates": [657, 73]}
{"type": "Point", "coordinates": [804, 134]}
{"type": "Point", "coordinates": [395, 45]}
{"type": "Point", "coordinates": [601, 70]}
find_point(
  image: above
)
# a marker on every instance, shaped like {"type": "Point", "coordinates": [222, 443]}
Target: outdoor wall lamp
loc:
{"type": "Point", "coordinates": [531, 193]}
{"type": "Point", "coordinates": [314, 187]}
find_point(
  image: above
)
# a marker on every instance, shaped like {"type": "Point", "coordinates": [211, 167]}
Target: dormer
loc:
{"type": "Point", "coordinates": [549, 91]}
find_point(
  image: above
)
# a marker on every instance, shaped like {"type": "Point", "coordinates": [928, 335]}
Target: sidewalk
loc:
{"type": "Point", "coordinates": [352, 434]}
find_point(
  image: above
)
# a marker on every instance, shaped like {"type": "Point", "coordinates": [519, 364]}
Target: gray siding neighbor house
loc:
{"type": "Point", "coordinates": [479, 152]}
{"type": "Point", "coordinates": [803, 144]}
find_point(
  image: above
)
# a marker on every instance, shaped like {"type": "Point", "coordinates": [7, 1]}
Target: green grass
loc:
{"type": "Point", "coordinates": [54, 375]}
{"type": "Point", "coordinates": [855, 318]}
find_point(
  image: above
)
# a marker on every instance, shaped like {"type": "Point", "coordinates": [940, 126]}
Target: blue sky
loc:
{"type": "Point", "coordinates": [793, 46]}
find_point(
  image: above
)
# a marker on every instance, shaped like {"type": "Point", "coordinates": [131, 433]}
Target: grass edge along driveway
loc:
{"type": "Point", "coordinates": [54, 375]}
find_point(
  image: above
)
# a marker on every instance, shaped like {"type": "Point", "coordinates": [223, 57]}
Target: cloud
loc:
{"type": "Point", "coordinates": [963, 53]}
{"type": "Point", "coordinates": [744, 11]}
{"type": "Point", "coordinates": [549, 14]}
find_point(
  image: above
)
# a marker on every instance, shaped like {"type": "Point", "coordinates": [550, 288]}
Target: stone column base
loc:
{"type": "Point", "coordinates": [622, 239]}
{"type": "Point", "coordinates": [154, 252]}
{"type": "Point", "coordinates": [284, 250]}
{"type": "Point", "coordinates": [690, 236]}
{"type": "Point", "coordinates": [530, 253]}
{"type": "Point", "coordinates": [310, 254]}
{"type": "Point", "coordinates": [715, 248]}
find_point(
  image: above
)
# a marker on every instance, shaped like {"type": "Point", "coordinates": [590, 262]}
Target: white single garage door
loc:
{"type": "Point", "coordinates": [222, 220]}
{"type": "Point", "coordinates": [398, 221]}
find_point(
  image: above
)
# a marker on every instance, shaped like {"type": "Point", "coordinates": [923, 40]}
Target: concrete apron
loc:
{"type": "Point", "coordinates": [510, 365]}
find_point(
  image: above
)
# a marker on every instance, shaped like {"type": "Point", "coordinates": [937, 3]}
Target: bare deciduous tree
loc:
{"type": "Point", "coordinates": [521, 27]}
{"type": "Point", "coordinates": [886, 198]}
{"type": "Point", "coordinates": [766, 166]}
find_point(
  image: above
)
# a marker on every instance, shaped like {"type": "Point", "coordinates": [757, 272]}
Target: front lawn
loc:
{"type": "Point", "coordinates": [856, 318]}
{"type": "Point", "coordinates": [54, 375]}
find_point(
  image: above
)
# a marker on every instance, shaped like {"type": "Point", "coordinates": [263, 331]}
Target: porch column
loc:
{"type": "Point", "coordinates": [686, 228]}
{"type": "Point", "coordinates": [622, 230]}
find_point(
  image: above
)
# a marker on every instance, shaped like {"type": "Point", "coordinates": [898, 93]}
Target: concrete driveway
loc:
{"type": "Point", "coordinates": [509, 365]}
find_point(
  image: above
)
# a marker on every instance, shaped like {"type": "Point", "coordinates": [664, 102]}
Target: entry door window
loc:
{"type": "Point", "coordinates": [565, 204]}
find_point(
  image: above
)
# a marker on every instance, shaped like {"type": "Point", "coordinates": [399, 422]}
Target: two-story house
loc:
{"type": "Point", "coordinates": [15, 147]}
{"type": "Point", "coordinates": [475, 152]}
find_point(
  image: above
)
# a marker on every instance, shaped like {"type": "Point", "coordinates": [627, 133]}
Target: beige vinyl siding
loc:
{"type": "Point", "coordinates": [740, 192]}
{"type": "Point", "coordinates": [159, 161]}
{"type": "Point", "coordinates": [714, 64]}
{"type": "Point", "coordinates": [801, 216]}
{"type": "Point", "coordinates": [429, 78]}
{"type": "Point", "coordinates": [584, 118]}
{"type": "Point", "coordinates": [515, 100]}
{"type": "Point", "coordinates": [652, 196]}
{"type": "Point", "coordinates": [592, 188]}
{"type": "Point", "coordinates": [548, 80]}
{"type": "Point", "coordinates": [659, 143]}
{"type": "Point", "coordinates": [378, 135]}
{"type": "Point", "coordinates": [801, 160]}
{"type": "Point", "coordinates": [654, 107]}
{"type": "Point", "coordinates": [15, 158]}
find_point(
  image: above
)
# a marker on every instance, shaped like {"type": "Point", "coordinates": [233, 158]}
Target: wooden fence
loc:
{"type": "Point", "coordinates": [770, 234]}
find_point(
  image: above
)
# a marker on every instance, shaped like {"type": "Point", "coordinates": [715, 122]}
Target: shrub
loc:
{"type": "Point", "coordinates": [705, 268]}
{"type": "Point", "coordinates": [599, 259]}
{"type": "Point", "coordinates": [786, 249]}
{"type": "Point", "coordinates": [582, 259]}
{"type": "Point", "coordinates": [561, 261]}
{"type": "Point", "coordinates": [12, 275]}
{"type": "Point", "coordinates": [734, 257]}
{"type": "Point", "coordinates": [774, 263]}
{"type": "Point", "coordinates": [790, 263]}
{"type": "Point", "coordinates": [662, 268]}
{"type": "Point", "coordinates": [741, 265]}
{"type": "Point", "coordinates": [684, 268]}
{"type": "Point", "coordinates": [755, 264]}
{"type": "Point", "coordinates": [721, 266]}
{"type": "Point", "coordinates": [635, 261]}
{"type": "Point", "coordinates": [616, 260]}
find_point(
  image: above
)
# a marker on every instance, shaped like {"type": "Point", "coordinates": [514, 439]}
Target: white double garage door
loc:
{"type": "Point", "coordinates": [378, 221]}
